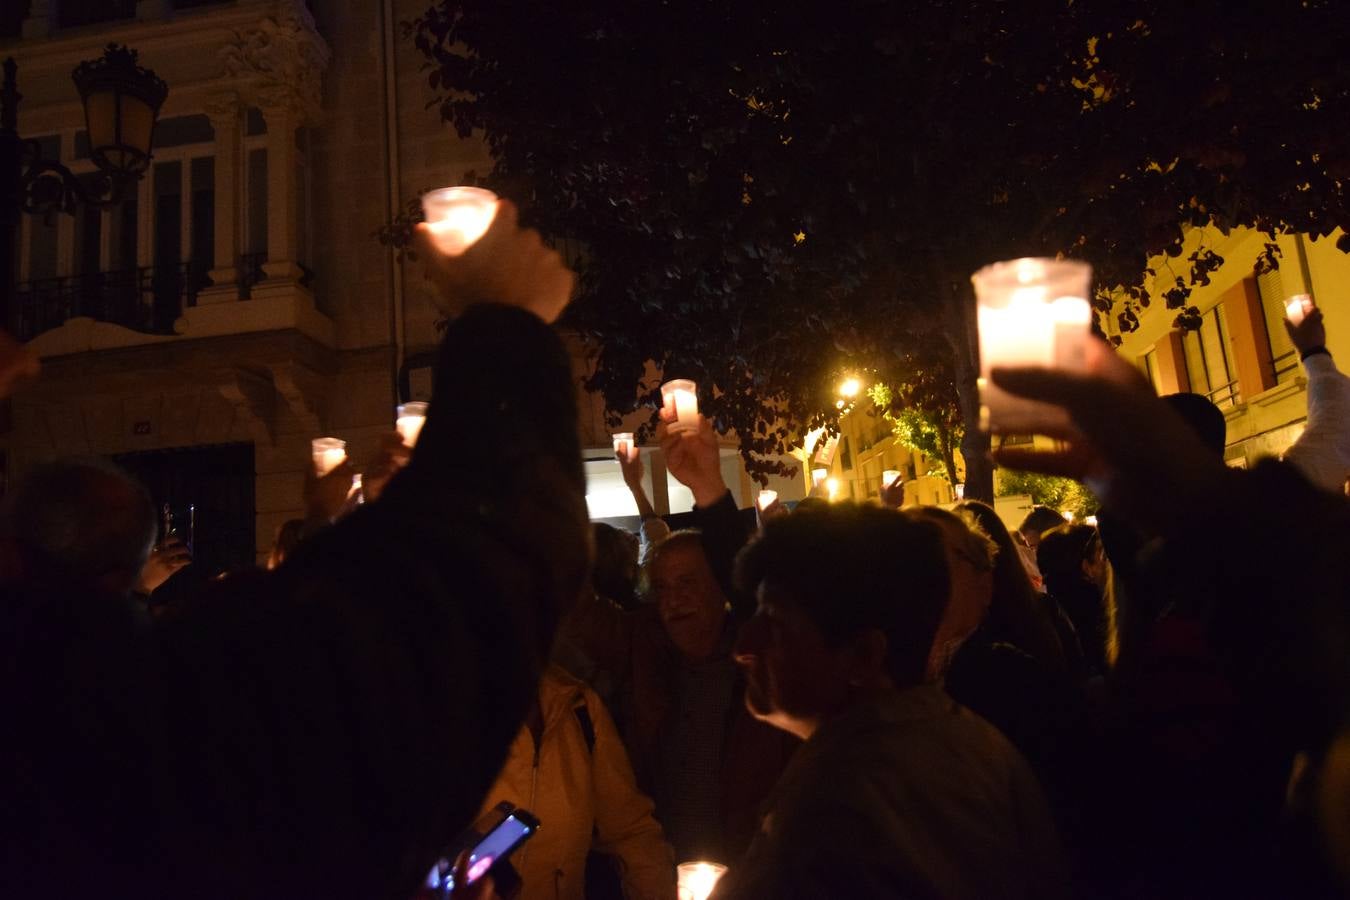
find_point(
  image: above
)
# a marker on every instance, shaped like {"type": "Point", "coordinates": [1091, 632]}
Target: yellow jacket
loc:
{"type": "Point", "coordinates": [585, 797]}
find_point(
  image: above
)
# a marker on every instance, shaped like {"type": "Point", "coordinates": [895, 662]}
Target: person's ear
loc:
{"type": "Point", "coordinates": [867, 666]}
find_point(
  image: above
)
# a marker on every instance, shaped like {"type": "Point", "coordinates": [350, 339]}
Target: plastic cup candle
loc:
{"type": "Point", "coordinates": [832, 485]}
{"type": "Point", "coordinates": [960, 490]}
{"type": "Point", "coordinates": [890, 477]}
{"type": "Point", "coordinates": [329, 453]}
{"type": "Point", "coordinates": [411, 417]}
{"type": "Point", "coordinates": [818, 475]}
{"type": "Point", "coordinates": [623, 443]}
{"type": "Point", "coordinates": [767, 499]}
{"type": "Point", "coordinates": [1030, 312]}
{"type": "Point", "coordinates": [458, 216]}
{"type": "Point", "coordinates": [696, 880]}
{"type": "Point", "coordinates": [681, 397]}
{"type": "Point", "coordinates": [1297, 307]}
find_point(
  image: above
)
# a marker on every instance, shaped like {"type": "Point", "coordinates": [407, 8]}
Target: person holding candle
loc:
{"type": "Point", "coordinates": [697, 752]}
{"type": "Point", "coordinates": [1322, 451]}
{"type": "Point", "coordinates": [330, 726]}
{"type": "Point", "coordinates": [653, 528]}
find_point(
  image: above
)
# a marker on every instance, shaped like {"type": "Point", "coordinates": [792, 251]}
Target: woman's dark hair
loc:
{"type": "Point", "coordinates": [1016, 612]}
{"type": "Point", "coordinates": [852, 568]}
{"type": "Point", "coordinates": [616, 564]}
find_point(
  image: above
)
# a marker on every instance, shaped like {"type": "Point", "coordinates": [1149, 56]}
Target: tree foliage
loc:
{"type": "Point", "coordinates": [767, 196]}
{"type": "Point", "coordinates": [1062, 494]}
{"type": "Point", "coordinates": [923, 409]}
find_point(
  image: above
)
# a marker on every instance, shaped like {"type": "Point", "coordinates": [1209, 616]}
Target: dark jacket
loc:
{"type": "Point", "coordinates": [328, 728]}
{"type": "Point", "coordinates": [634, 647]}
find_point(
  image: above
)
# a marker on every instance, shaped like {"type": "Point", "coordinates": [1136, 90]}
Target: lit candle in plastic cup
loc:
{"type": "Point", "coordinates": [458, 216]}
{"type": "Point", "coordinates": [1297, 307]}
{"type": "Point", "coordinates": [681, 396]}
{"type": "Point", "coordinates": [623, 443]}
{"type": "Point", "coordinates": [411, 417]}
{"type": "Point", "coordinates": [767, 499]}
{"type": "Point", "coordinates": [696, 880]}
{"type": "Point", "coordinates": [960, 487]}
{"type": "Point", "coordinates": [328, 454]}
{"type": "Point", "coordinates": [1030, 312]}
{"type": "Point", "coordinates": [818, 476]}
{"type": "Point", "coordinates": [890, 477]}
{"type": "Point", "coordinates": [832, 485]}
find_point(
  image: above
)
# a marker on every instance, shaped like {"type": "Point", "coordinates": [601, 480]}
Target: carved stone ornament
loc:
{"type": "Point", "coordinates": [280, 61]}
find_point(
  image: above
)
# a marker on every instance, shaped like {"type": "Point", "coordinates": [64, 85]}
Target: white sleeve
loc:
{"type": "Point", "coordinates": [1322, 452]}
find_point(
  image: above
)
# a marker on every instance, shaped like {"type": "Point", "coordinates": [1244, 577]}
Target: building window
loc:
{"type": "Point", "coordinates": [257, 201]}
{"type": "Point", "coordinates": [1208, 359]}
{"type": "Point", "coordinates": [1150, 360]}
{"type": "Point", "coordinates": [1273, 293]}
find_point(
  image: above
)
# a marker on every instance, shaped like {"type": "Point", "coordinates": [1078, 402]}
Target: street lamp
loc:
{"type": "Point", "coordinates": [121, 103]}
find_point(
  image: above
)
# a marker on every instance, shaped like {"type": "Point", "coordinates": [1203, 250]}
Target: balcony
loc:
{"type": "Point", "coordinates": [148, 299]}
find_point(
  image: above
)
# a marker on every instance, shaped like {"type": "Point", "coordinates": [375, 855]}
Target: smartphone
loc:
{"type": "Point", "coordinates": [514, 826]}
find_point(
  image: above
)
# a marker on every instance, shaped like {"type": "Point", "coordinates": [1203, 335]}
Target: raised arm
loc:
{"type": "Point", "coordinates": [1322, 452]}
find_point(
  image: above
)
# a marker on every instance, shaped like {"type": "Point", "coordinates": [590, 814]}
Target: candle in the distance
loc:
{"type": "Point", "coordinates": [1297, 307]}
{"type": "Point", "coordinates": [696, 880]}
{"type": "Point", "coordinates": [458, 216]}
{"type": "Point", "coordinates": [680, 395]}
{"type": "Point", "coordinates": [767, 498]}
{"type": "Point", "coordinates": [411, 417]}
{"type": "Point", "coordinates": [328, 454]}
{"type": "Point", "coordinates": [623, 443]}
{"type": "Point", "coordinates": [890, 477]}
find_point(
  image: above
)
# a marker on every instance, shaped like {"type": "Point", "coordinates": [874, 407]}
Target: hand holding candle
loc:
{"type": "Point", "coordinates": [458, 216]}
{"type": "Point", "coordinates": [1297, 307]}
{"type": "Point", "coordinates": [696, 880]}
{"type": "Point", "coordinates": [624, 446]}
{"type": "Point", "coordinates": [680, 397]}
{"type": "Point", "coordinates": [1030, 312]}
{"type": "Point", "coordinates": [328, 453]}
{"type": "Point", "coordinates": [411, 417]}
{"type": "Point", "coordinates": [767, 498]}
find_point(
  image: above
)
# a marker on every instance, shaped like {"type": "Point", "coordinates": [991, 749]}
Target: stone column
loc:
{"type": "Point", "coordinates": [282, 208]}
{"type": "Point", "coordinates": [224, 112]}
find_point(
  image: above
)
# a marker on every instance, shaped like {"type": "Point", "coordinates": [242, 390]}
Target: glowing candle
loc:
{"type": "Point", "coordinates": [681, 396]}
{"type": "Point", "coordinates": [458, 216]}
{"type": "Point", "coordinates": [1030, 312]}
{"type": "Point", "coordinates": [832, 485]}
{"type": "Point", "coordinates": [818, 475]}
{"type": "Point", "coordinates": [890, 477]}
{"type": "Point", "coordinates": [697, 879]}
{"type": "Point", "coordinates": [623, 443]}
{"type": "Point", "coordinates": [328, 453]}
{"type": "Point", "coordinates": [767, 499]}
{"type": "Point", "coordinates": [411, 417]}
{"type": "Point", "coordinates": [960, 490]}
{"type": "Point", "coordinates": [1297, 307]}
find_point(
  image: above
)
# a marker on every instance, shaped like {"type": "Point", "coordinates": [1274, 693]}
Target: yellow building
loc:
{"type": "Point", "coordinates": [1241, 357]}
{"type": "Point", "coordinates": [854, 460]}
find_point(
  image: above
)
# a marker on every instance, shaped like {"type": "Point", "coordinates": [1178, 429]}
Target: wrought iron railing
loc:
{"type": "Point", "coordinates": [147, 299]}
{"type": "Point", "coordinates": [1225, 396]}
{"type": "Point", "coordinates": [1283, 364]}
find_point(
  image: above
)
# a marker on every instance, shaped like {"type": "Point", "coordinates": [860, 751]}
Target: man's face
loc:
{"type": "Point", "coordinates": [794, 679]}
{"type": "Point", "coordinates": [689, 599]}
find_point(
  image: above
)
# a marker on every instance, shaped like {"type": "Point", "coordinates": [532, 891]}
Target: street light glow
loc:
{"type": "Point", "coordinates": [850, 387]}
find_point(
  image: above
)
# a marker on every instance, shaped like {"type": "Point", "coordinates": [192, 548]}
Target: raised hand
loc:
{"type": "Point", "coordinates": [1309, 333]}
{"type": "Point", "coordinates": [693, 457]}
{"type": "Point", "coordinates": [324, 497]}
{"type": "Point", "coordinates": [1129, 447]}
{"type": "Point", "coordinates": [630, 466]}
{"type": "Point", "coordinates": [508, 265]}
{"type": "Point", "coordinates": [168, 557]}
{"type": "Point", "coordinates": [390, 458]}
{"type": "Point", "coordinates": [893, 494]}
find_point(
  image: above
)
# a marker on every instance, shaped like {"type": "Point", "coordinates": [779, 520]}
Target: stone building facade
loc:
{"type": "Point", "coordinates": [239, 305]}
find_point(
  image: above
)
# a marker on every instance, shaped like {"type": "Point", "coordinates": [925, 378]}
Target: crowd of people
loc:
{"type": "Point", "coordinates": [848, 700]}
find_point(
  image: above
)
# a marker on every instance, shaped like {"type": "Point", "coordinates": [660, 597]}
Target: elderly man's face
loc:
{"type": "Point", "coordinates": [689, 599]}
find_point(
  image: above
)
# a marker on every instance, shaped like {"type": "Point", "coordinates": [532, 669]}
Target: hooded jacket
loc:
{"type": "Point", "coordinates": [581, 787]}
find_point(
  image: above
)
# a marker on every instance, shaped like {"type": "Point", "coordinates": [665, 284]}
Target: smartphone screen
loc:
{"type": "Point", "coordinates": [498, 843]}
